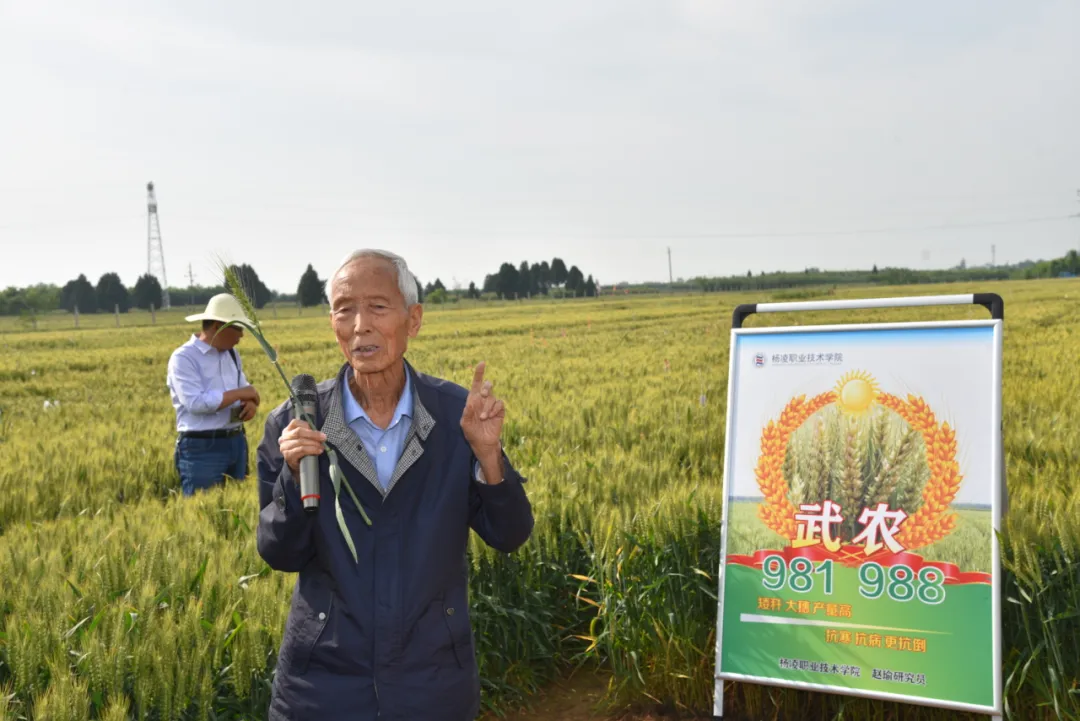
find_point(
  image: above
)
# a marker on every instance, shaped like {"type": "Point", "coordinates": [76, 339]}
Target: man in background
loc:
{"type": "Point", "coordinates": [212, 398]}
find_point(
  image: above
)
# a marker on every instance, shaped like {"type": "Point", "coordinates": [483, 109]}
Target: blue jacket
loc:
{"type": "Point", "coordinates": [388, 637]}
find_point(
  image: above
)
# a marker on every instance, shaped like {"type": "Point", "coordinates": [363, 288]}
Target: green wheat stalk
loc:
{"type": "Point", "coordinates": [236, 287]}
{"type": "Point", "coordinates": [915, 474]}
{"type": "Point", "coordinates": [881, 487]}
{"type": "Point", "coordinates": [820, 464]}
{"type": "Point", "coordinates": [789, 469]}
{"type": "Point", "coordinates": [851, 479]}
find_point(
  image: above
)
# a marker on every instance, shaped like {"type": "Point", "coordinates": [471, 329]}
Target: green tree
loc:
{"type": "Point", "coordinates": [147, 291]}
{"type": "Point", "coordinates": [311, 290]}
{"type": "Point", "coordinates": [575, 281]}
{"type": "Point", "coordinates": [79, 293]}
{"type": "Point", "coordinates": [507, 282]}
{"type": "Point", "coordinates": [590, 287]}
{"type": "Point", "coordinates": [258, 292]}
{"type": "Point", "coordinates": [29, 301]}
{"type": "Point", "coordinates": [559, 274]}
{"type": "Point", "coordinates": [538, 277]}
{"type": "Point", "coordinates": [198, 295]}
{"type": "Point", "coordinates": [42, 297]}
{"type": "Point", "coordinates": [110, 293]}
{"type": "Point", "coordinates": [472, 292]}
{"type": "Point", "coordinates": [525, 280]}
{"type": "Point", "coordinates": [1071, 262]}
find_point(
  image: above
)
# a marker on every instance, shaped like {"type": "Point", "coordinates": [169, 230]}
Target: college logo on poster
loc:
{"type": "Point", "coordinates": [759, 359]}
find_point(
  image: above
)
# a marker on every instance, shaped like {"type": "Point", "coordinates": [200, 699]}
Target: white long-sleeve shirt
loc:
{"type": "Point", "coordinates": [198, 377]}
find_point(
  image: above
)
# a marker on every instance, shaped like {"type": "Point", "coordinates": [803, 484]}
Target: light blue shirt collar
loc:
{"type": "Point", "coordinates": [353, 410]}
{"type": "Point", "coordinates": [201, 344]}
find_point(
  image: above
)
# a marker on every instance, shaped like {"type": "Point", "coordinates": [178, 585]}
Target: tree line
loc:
{"type": "Point", "coordinates": [539, 279]}
{"type": "Point", "coordinates": [509, 282]}
{"type": "Point", "coordinates": [110, 294]}
{"type": "Point", "coordinates": [524, 281]}
{"type": "Point", "coordinates": [1066, 266]}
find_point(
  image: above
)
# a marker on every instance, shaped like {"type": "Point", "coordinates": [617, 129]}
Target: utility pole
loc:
{"type": "Point", "coordinates": [671, 280]}
{"type": "Point", "coordinates": [191, 283]}
{"type": "Point", "coordinates": [993, 256]}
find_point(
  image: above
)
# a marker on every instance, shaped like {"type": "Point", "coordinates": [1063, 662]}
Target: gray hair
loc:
{"type": "Point", "coordinates": [406, 280]}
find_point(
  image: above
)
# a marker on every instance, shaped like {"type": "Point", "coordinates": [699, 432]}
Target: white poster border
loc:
{"type": "Point", "coordinates": [997, 480]}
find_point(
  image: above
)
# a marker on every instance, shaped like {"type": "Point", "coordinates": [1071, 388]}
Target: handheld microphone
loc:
{"type": "Point", "coordinates": [303, 386]}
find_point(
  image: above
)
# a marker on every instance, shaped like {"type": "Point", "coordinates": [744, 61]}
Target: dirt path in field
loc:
{"type": "Point", "coordinates": [574, 699]}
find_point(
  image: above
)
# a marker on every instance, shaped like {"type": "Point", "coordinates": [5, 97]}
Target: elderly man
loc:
{"type": "Point", "coordinates": [387, 636]}
{"type": "Point", "coordinates": [212, 399]}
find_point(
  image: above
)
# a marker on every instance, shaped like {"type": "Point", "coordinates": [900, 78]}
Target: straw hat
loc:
{"type": "Point", "coordinates": [223, 307]}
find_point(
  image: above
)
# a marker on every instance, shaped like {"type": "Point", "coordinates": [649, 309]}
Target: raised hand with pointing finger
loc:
{"type": "Point", "coordinates": [482, 422]}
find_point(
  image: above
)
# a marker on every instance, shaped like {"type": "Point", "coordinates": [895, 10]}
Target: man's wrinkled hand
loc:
{"type": "Point", "coordinates": [482, 422]}
{"type": "Point", "coordinates": [297, 441]}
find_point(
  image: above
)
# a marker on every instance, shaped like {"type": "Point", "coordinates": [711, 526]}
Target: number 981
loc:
{"type": "Point", "coordinates": [796, 575]}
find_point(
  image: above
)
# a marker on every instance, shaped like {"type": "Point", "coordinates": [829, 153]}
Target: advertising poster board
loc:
{"type": "Point", "coordinates": [862, 489]}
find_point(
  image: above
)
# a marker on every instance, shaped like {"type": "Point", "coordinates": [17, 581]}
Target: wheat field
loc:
{"type": "Point", "coordinates": [119, 599]}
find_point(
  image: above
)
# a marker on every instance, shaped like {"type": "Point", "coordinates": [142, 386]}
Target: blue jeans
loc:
{"type": "Point", "coordinates": [204, 462]}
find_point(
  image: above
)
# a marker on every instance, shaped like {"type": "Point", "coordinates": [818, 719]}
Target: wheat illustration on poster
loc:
{"type": "Point", "coordinates": [863, 492]}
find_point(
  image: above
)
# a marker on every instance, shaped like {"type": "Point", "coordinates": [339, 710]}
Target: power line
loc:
{"type": "Point", "coordinates": [619, 236]}
{"type": "Point", "coordinates": [734, 235]}
{"type": "Point", "coordinates": [862, 231]}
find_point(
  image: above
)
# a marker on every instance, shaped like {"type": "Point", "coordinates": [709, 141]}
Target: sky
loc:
{"type": "Point", "coordinates": [741, 135]}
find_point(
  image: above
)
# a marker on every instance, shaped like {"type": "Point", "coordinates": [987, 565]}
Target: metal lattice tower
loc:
{"type": "Point", "coordinates": [155, 254]}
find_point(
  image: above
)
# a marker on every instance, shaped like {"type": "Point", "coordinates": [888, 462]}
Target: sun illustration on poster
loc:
{"type": "Point", "coordinates": [856, 392]}
{"type": "Point", "coordinates": [880, 432]}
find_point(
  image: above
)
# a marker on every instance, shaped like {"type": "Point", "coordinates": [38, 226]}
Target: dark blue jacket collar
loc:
{"type": "Point", "coordinates": [345, 441]}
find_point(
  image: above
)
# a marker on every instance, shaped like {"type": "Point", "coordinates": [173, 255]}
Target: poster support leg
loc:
{"type": "Point", "coordinates": [718, 701]}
